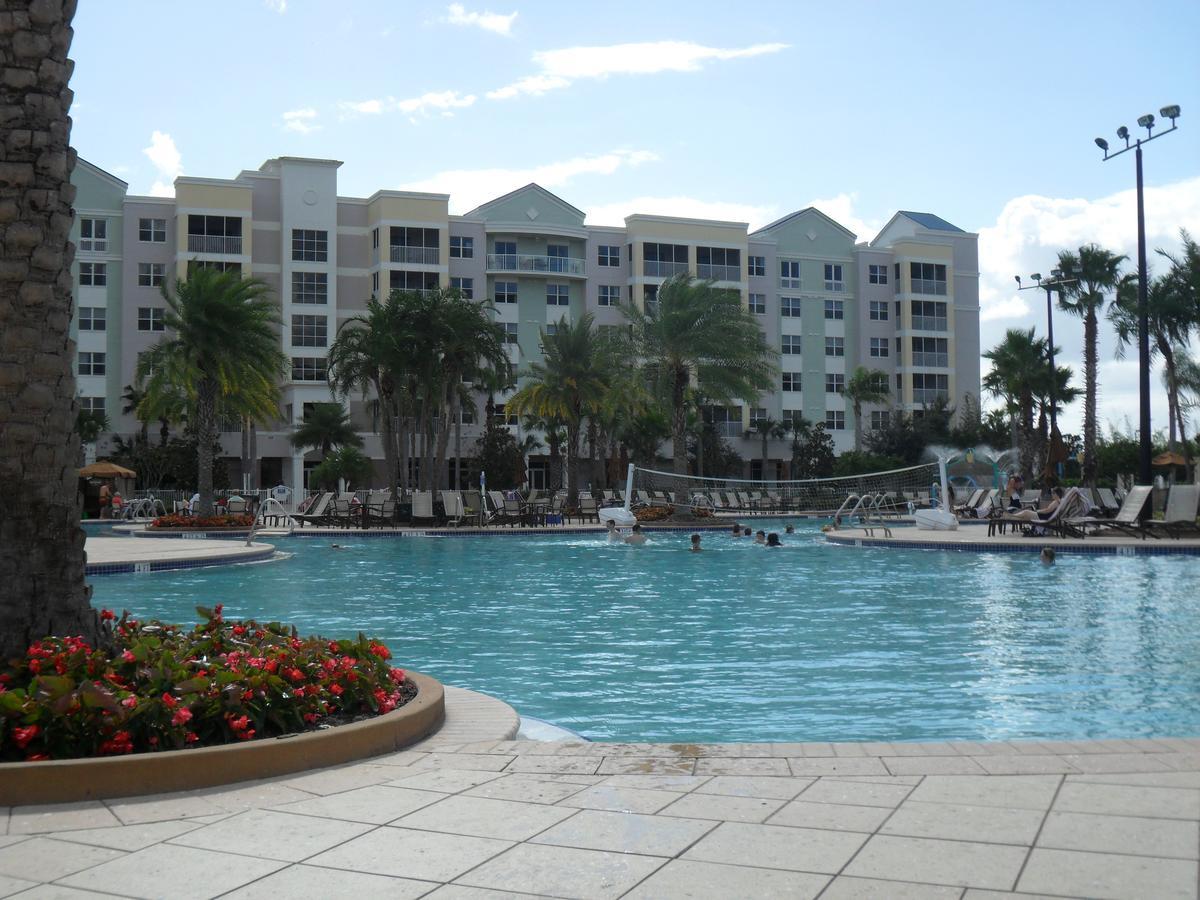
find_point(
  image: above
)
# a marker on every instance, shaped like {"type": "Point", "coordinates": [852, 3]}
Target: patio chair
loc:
{"type": "Point", "coordinates": [422, 506]}
{"type": "Point", "coordinates": [452, 504]}
{"type": "Point", "coordinates": [1128, 518]}
{"type": "Point", "coordinates": [1107, 501]}
{"type": "Point", "coordinates": [235, 506]}
{"type": "Point", "coordinates": [967, 508]}
{"type": "Point", "coordinates": [472, 506]}
{"type": "Point", "coordinates": [589, 509]}
{"type": "Point", "coordinates": [1179, 518]}
{"type": "Point", "coordinates": [317, 512]}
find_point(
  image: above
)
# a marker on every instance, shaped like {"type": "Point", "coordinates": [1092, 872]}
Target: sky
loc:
{"type": "Point", "coordinates": [982, 113]}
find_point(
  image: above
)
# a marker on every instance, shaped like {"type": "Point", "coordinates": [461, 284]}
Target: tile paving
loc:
{"type": "Point", "coordinates": [463, 816]}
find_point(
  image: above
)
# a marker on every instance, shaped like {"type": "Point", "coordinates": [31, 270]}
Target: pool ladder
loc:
{"type": "Point", "coordinates": [870, 509]}
{"type": "Point", "coordinates": [274, 531]}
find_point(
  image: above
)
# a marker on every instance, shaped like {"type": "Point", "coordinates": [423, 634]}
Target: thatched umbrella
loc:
{"type": "Point", "coordinates": [105, 469]}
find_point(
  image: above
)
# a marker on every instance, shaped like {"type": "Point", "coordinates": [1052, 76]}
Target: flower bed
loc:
{"type": "Point", "coordinates": [163, 688]}
{"type": "Point", "coordinates": [653, 513]}
{"type": "Point", "coordinates": [225, 520]}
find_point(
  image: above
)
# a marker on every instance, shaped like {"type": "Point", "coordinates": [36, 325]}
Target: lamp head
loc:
{"type": "Point", "coordinates": [1123, 134]}
{"type": "Point", "coordinates": [1146, 121]}
{"type": "Point", "coordinates": [1102, 144]}
{"type": "Point", "coordinates": [1056, 273]}
{"type": "Point", "coordinates": [1170, 112]}
{"type": "Point", "coordinates": [1018, 280]}
{"type": "Point", "coordinates": [1036, 276]}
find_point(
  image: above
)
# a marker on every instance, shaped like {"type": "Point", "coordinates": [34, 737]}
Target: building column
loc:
{"type": "Point", "coordinates": [296, 483]}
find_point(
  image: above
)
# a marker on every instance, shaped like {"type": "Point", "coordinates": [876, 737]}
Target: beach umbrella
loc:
{"type": "Point", "coordinates": [106, 469]}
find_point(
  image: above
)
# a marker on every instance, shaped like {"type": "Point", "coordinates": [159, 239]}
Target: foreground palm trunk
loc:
{"type": "Point", "coordinates": [41, 543]}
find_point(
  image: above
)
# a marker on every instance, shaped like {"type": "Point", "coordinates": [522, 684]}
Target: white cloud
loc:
{"type": "Point", "coordinates": [682, 207]}
{"type": "Point", "coordinates": [1026, 238]}
{"type": "Point", "coordinates": [470, 187]}
{"type": "Point", "coordinates": [560, 67]}
{"type": "Point", "coordinates": [444, 102]}
{"type": "Point", "coordinates": [487, 20]}
{"type": "Point", "coordinates": [841, 209]}
{"type": "Point", "coordinates": [279, 6]}
{"type": "Point", "coordinates": [164, 155]}
{"type": "Point", "coordinates": [362, 107]}
{"type": "Point", "coordinates": [301, 120]}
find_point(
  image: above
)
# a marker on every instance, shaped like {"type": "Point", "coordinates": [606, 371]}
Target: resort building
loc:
{"type": "Point", "coordinates": [906, 302]}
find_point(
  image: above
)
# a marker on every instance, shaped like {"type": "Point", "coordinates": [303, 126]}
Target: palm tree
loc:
{"type": "Point", "coordinates": [767, 428]}
{"type": "Point", "coordinates": [1016, 377]}
{"type": "Point", "coordinates": [223, 352]}
{"type": "Point", "coordinates": [1098, 272]}
{"type": "Point", "coordinates": [569, 385]}
{"type": "Point", "coordinates": [696, 331]}
{"type": "Point", "coordinates": [132, 398]}
{"type": "Point", "coordinates": [865, 386]}
{"type": "Point", "coordinates": [41, 543]}
{"type": "Point", "coordinates": [325, 426]}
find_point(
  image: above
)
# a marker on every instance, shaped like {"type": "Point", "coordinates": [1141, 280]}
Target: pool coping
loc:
{"type": "Point", "coordinates": [1023, 544]}
{"type": "Point", "coordinates": [258, 552]}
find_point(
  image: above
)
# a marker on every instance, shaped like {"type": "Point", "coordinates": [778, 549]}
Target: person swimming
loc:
{"type": "Point", "coordinates": [695, 548]}
{"type": "Point", "coordinates": [1047, 556]}
{"type": "Point", "coordinates": [737, 530]}
{"type": "Point", "coordinates": [613, 534]}
{"type": "Point", "coordinates": [760, 537]}
{"type": "Point", "coordinates": [790, 529]}
{"type": "Point", "coordinates": [745, 532]}
{"type": "Point", "coordinates": [635, 537]}
{"type": "Point", "coordinates": [773, 540]}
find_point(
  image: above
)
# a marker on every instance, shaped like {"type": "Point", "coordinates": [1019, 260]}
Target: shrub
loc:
{"type": "Point", "coordinates": [653, 513]}
{"type": "Point", "coordinates": [223, 520]}
{"type": "Point", "coordinates": [163, 688]}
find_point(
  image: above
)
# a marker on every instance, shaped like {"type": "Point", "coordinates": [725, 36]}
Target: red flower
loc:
{"type": "Point", "coordinates": [336, 689]}
{"type": "Point", "coordinates": [239, 724]}
{"type": "Point", "coordinates": [121, 742]}
{"type": "Point", "coordinates": [129, 702]}
{"type": "Point", "coordinates": [191, 737]}
{"type": "Point", "coordinates": [239, 630]}
{"type": "Point", "coordinates": [182, 716]}
{"type": "Point", "coordinates": [246, 735]}
{"type": "Point", "coordinates": [128, 656]}
{"type": "Point", "coordinates": [294, 674]}
{"type": "Point", "coordinates": [35, 666]}
{"type": "Point", "coordinates": [107, 615]}
{"type": "Point", "coordinates": [169, 701]}
{"type": "Point", "coordinates": [22, 736]}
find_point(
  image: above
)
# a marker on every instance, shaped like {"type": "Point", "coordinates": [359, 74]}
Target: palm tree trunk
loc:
{"type": "Point", "coordinates": [679, 422]}
{"type": "Point", "coordinates": [387, 419]}
{"type": "Point", "coordinates": [857, 427]}
{"type": "Point", "coordinates": [206, 436]}
{"type": "Point", "coordinates": [572, 465]}
{"type": "Point", "coordinates": [458, 449]}
{"type": "Point", "coordinates": [1164, 347]}
{"type": "Point", "coordinates": [1025, 445]}
{"type": "Point", "coordinates": [1090, 379]}
{"type": "Point", "coordinates": [440, 469]}
{"type": "Point", "coordinates": [595, 461]}
{"type": "Point", "coordinates": [245, 452]}
{"type": "Point", "coordinates": [253, 481]}
{"type": "Point", "coordinates": [41, 543]}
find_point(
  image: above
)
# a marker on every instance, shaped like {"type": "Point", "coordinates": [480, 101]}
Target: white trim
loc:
{"type": "Point", "coordinates": [527, 228]}
{"type": "Point", "coordinates": [211, 182]}
{"type": "Point", "coordinates": [226, 211]}
{"type": "Point", "coordinates": [403, 223]}
{"type": "Point", "coordinates": [259, 225]}
{"type": "Point", "coordinates": [682, 220]}
{"type": "Point", "coordinates": [98, 214]}
{"type": "Point", "coordinates": [354, 230]}
{"type": "Point", "coordinates": [149, 201]}
{"type": "Point", "coordinates": [406, 195]}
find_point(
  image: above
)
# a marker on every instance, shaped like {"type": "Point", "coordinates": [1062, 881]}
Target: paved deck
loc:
{"type": "Point", "coordinates": [454, 817]}
{"type": "Point", "coordinates": [110, 555]}
{"type": "Point", "coordinates": [975, 538]}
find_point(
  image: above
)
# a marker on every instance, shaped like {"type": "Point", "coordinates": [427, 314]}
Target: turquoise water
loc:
{"type": "Point", "coordinates": [742, 643]}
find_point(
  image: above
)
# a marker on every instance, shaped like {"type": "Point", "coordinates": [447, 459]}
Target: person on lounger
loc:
{"type": "Point", "coordinates": [1014, 489]}
{"type": "Point", "coordinates": [1041, 515]}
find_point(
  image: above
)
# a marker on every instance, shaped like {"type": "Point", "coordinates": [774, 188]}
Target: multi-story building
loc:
{"type": "Point", "coordinates": [906, 303]}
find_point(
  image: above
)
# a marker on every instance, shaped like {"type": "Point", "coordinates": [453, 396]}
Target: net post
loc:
{"type": "Point", "coordinates": [628, 487]}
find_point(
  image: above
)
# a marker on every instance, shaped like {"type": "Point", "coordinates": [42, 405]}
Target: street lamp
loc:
{"type": "Point", "coordinates": [1147, 122]}
{"type": "Point", "coordinates": [1058, 278]}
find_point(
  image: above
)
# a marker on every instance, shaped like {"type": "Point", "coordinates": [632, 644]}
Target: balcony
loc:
{"type": "Point", "coordinates": [729, 429]}
{"type": "Point", "coordinates": [718, 273]}
{"type": "Point", "coordinates": [931, 360]}
{"type": "Point", "coordinates": [422, 256]}
{"type": "Point", "coordinates": [212, 243]}
{"type": "Point", "coordinates": [542, 265]}
{"type": "Point", "coordinates": [929, 396]}
{"type": "Point", "coordinates": [656, 269]}
{"type": "Point", "coordinates": [929, 286]}
{"type": "Point", "coordinates": [929, 323]}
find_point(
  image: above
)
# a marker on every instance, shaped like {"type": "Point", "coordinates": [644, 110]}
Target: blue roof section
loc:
{"type": "Point", "coordinates": [930, 221]}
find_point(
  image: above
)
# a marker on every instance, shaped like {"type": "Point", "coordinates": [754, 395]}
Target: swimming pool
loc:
{"type": "Point", "coordinates": [810, 642]}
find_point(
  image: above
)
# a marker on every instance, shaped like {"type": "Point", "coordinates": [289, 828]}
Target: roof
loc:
{"type": "Point", "coordinates": [532, 186]}
{"type": "Point", "coordinates": [930, 221]}
{"type": "Point", "coordinates": [801, 212]}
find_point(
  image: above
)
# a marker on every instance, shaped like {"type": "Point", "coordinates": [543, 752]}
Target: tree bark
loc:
{"type": "Point", "coordinates": [206, 436]}
{"type": "Point", "coordinates": [387, 420]}
{"type": "Point", "coordinates": [679, 421]}
{"type": "Point", "coordinates": [41, 544]}
{"type": "Point", "coordinates": [1090, 379]}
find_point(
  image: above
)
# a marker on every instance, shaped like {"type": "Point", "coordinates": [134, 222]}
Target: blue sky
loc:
{"type": "Point", "coordinates": [981, 113]}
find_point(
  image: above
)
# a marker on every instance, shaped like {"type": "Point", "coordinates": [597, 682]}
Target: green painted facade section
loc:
{"type": "Point", "coordinates": [515, 208]}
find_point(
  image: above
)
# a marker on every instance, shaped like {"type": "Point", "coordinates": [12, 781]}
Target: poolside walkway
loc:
{"type": "Point", "coordinates": [108, 555]}
{"type": "Point", "coordinates": [974, 537]}
{"type": "Point", "coordinates": [504, 818]}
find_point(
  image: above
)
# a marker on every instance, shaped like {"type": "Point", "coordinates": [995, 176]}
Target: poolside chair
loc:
{"type": "Point", "coordinates": [1179, 518]}
{"type": "Point", "coordinates": [452, 507]}
{"type": "Point", "coordinates": [1128, 518]}
{"type": "Point", "coordinates": [968, 507]}
{"type": "Point", "coordinates": [1107, 501]}
{"type": "Point", "coordinates": [473, 505]}
{"type": "Point", "coordinates": [317, 512]}
{"type": "Point", "coordinates": [1031, 497]}
{"type": "Point", "coordinates": [589, 509]}
{"type": "Point", "coordinates": [422, 506]}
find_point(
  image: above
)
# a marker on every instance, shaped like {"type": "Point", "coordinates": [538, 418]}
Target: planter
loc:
{"type": "Point", "coordinates": [73, 780]}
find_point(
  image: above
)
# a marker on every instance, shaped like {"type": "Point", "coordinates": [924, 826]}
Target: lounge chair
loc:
{"type": "Point", "coordinates": [1061, 521]}
{"type": "Point", "coordinates": [452, 506]}
{"type": "Point", "coordinates": [1030, 498]}
{"type": "Point", "coordinates": [1107, 501]}
{"type": "Point", "coordinates": [472, 506]}
{"type": "Point", "coordinates": [422, 506]}
{"type": "Point", "coordinates": [317, 512]}
{"type": "Point", "coordinates": [1179, 518]}
{"type": "Point", "coordinates": [589, 509]}
{"type": "Point", "coordinates": [1128, 518]}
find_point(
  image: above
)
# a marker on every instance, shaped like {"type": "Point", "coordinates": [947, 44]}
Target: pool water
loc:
{"type": "Point", "coordinates": [809, 642]}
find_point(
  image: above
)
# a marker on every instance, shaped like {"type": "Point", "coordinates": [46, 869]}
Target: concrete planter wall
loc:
{"type": "Point", "coordinates": [70, 780]}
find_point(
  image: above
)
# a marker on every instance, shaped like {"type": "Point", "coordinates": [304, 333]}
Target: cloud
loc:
{"type": "Point", "coordinates": [444, 102]}
{"type": "Point", "coordinates": [470, 187]}
{"type": "Point", "coordinates": [362, 107]}
{"type": "Point", "coordinates": [164, 156]}
{"type": "Point", "coordinates": [301, 120]}
{"type": "Point", "coordinates": [488, 21]}
{"type": "Point", "coordinates": [279, 6]}
{"type": "Point", "coordinates": [561, 67]}
{"type": "Point", "coordinates": [681, 207]}
{"type": "Point", "coordinates": [841, 209]}
{"type": "Point", "coordinates": [1027, 236]}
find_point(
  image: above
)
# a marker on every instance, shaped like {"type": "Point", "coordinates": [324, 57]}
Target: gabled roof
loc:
{"type": "Point", "coordinates": [801, 212]}
{"type": "Point", "coordinates": [930, 221]}
{"type": "Point", "coordinates": [100, 173]}
{"type": "Point", "coordinates": [534, 187]}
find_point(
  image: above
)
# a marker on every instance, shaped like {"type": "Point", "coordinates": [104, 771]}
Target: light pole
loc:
{"type": "Point", "coordinates": [1147, 122]}
{"type": "Point", "coordinates": [1057, 278]}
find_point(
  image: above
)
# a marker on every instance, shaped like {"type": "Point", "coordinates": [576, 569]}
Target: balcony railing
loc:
{"type": "Point", "coordinates": [929, 323]}
{"type": "Point", "coordinates": [211, 243]}
{"type": "Point", "coordinates": [527, 262]}
{"type": "Point", "coordinates": [422, 256]}
{"type": "Point", "coordinates": [928, 286]}
{"type": "Point", "coordinates": [657, 269]}
{"type": "Point", "coordinates": [728, 429]}
{"type": "Point", "coordinates": [929, 396]}
{"type": "Point", "coordinates": [718, 273]}
{"type": "Point", "coordinates": [931, 360]}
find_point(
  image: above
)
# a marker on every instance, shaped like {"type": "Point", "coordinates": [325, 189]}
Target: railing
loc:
{"type": "Point", "coordinates": [719, 273]}
{"type": "Point", "coordinates": [929, 396]}
{"type": "Point", "coordinates": [657, 269]}
{"type": "Point", "coordinates": [424, 256]}
{"type": "Point", "coordinates": [929, 323]}
{"type": "Point", "coordinates": [210, 243]}
{"type": "Point", "coordinates": [931, 359]}
{"type": "Point", "coordinates": [928, 286]}
{"type": "Point", "coordinates": [527, 262]}
{"type": "Point", "coordinates": [729, 429]}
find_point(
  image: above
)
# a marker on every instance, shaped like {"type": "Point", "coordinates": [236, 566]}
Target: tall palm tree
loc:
{"type": "Point", "coordinates": [696, 332]}
{"type": "Point", "coordinates": [865, 386]}
{"type": "Point", "coordinates": [766, 429]}
{"type": "Point", "coordinates": [1016, 377]}
{"type": "Point", "coordinates": [569, 384]}
{"type": "Point", "coordinates": [1098, 272]}
{"type": "Point", "coordinates": [41, 543]}
{"type": "Point", "coordinates": [222, 351]}
{"type": "Point", "coordinates": [132, 397]}
{"type": "Point", "coordinates": [325, 426]}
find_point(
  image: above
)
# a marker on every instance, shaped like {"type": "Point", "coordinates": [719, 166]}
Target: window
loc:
{"type": "Point", "coordinates": [879, 348]}
{"type": "Point", "coordinates": [610, 295]}
{"type": "Point", "coordinates": [150, 318]}
{"type": "Point", "coordinates": [403, 280]}
{"type": "Point", "coordinates": [791, 344]}
{"type": "Point", "coordinates": [930, 352]}
{"type": "Point", "coordinates": [896, 272]}
{"type": "Point", "coordinates": [374, 238]}
{"type": "Point", "coordinates": [214, 234]}
{"type": "Point", "coordinates": [650, 298]}
{"type": "Point", "coordinates": [93, 274]}
{"type": "Point", "coordinates": [835, 346]}
{"type": "Point", "coordinates": [466, 414]}
{"type": "Point", "coordinates": [835, 383]}
{"type": "Point", "coordinates": [92, 318]}
{"type": "Point", "coordinates": [506, 292]}
{"type": "Point", "coordinates": [91, 363]}
{"type": "Point", "coordinates": [833, 277]}
{"type": "Point", "coordinates": [791, 381]}
{"type": "Point", "coordinates": [928, 315]}
{"type": "Point", "coordinates": [415, 245]}
{"type": "Point", "coordinates": [308, 368]}
{"type": "Point", "coordinates": [374, 284]}
{"type": "Point", "coordinates": [462, 247]}
{"type": "Point", "coordinates": [789, 307]}
{"type": "Point", "coordinates": [551, 328]}
{"type": "Point", "coordinates": [789, 273]}
{"type": "Point", "coordinates": [556, 257]}
{"type": "Point", "coordinates": [510, 332]}
{"type": "Point", "coordinates": [506, 252]}
{"type": "Point", "coordinates": [150, 274]}
{"type": "Point", "coordinates": [757, 266]}
{"type": "Point", "coordinates": [309, 331]}
{"type": "Point", "coordinates": [757, 414]}
{"type": "Point", "coordinates": [152, 231]}
{"type": "Point", "coordinates": [835, 420]}
{"type": "Point", "coordinates": [758, 304]}
{"type": "Point", "coordinates": [928, 388]}
{"type": "Point", "coordinates": [927, 278]}
{"type": "Point", "coordinates": [310, 245]}
{"type": "Point", "coordinates": [557, 295]}
{"type": "Point", "coordinates": [93, 235]}
{"type": "Point", "coordinates": [879, 311]}
{"type": "Point", "coordinates": [880, 418]}
{"type": "Point", "coordinates": [665, 260]}
{"type": "Point", "coordinates": [608, 255]}
{"type": "Point", "coordinates": [465, 286]}
{"type": "Point", "coordinates": [215, 265]}
{"type": "Point", "coordinates": [835, 309]}
{"type": "Point", "coordinates": [501, 415]}
{"type": "Point", "coordinates": [719, 263]}
{"type": "Point", "coordinates": [313, 287]}
{"type": "Point", "coordinates": [877, 274]}
{"type": "Point", "coordinates": [91, 404]}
